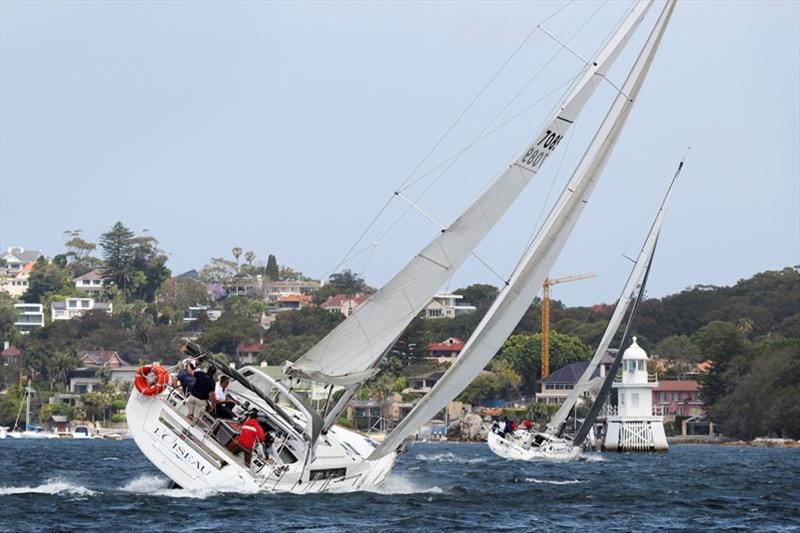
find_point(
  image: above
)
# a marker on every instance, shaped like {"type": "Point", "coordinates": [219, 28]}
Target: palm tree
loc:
{"type": "Point", "coordinates": [250, 257]}
{"type": "Point", "coordinates": [237, 251]}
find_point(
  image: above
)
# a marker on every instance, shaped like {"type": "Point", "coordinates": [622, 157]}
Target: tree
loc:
{"type": "Point", "coordinates": [181, 293]}
{"type": "Point", "coordinates": [218, 270]}
{"type": "Point", "coordinates": [236, 252]}
{"type": "Point", "coordinates": [47, 278]}
{"type": "Point", "coordinates": [678, 348]}
{"type": "Point", "coordinates": [249, 257]}
{"type": "Point", "coordinates": [118, 251]}
{"type": "Point", "coordinates": [479, 295]}
{"type": "Point", "coordinates": [271, 270]}
{"type": "Point", "coordinates": [524, 354]}
{"type": "Point", "coordinates": [346, 282]}
{"type": "Point", "coordinates": [724, 344]}
{"type": "Point", "coordinates": [485, 387]}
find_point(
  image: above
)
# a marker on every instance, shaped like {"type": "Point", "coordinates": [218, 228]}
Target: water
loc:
{"type": "Point", "coordinates": [101, 486]}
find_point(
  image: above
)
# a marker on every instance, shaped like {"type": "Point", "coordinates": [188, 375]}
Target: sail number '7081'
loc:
{"type": "Point", "coordinates": [535, 157]}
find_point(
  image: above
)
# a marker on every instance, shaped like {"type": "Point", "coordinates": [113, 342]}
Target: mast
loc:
{"type": "Point", "coordinates": [349, 353]}
{"type": "Point", "coordinates": [633, 286]}
{"type": "Point", "coordinates": [516, 297]}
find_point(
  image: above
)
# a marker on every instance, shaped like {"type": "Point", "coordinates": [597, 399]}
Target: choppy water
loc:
{"type": "Point", "coordinates": [102, 486]}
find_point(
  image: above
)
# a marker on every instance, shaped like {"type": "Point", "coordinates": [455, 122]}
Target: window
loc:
{"type": "Point", "coordinates": [85, 304]}
{"type": "Point", "coordinates": [435, 312]}
{"type": "Point", "coordinates": [635, 399]}
{"type": "Point", "coordinates": [71, 303]}
{"type": "Point", "coordinates": [622, 399]}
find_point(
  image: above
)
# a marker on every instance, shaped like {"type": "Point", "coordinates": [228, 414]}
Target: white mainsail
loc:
{"type": "Point", "coordinates": [516, 297]}
{"type": "Point", "coordinates": [348, 354]}
{"type": "Point", "coordinates": [629, 294]}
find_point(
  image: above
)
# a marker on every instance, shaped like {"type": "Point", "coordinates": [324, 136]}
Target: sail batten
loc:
{"type": "Point", "coordinates": [514, 299]}
{"type": "Point", "coordinates": [356, 345]}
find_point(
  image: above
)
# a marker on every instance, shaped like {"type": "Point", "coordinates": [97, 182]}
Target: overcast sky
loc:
{"type": "Point", "coordinates": [284, 128]}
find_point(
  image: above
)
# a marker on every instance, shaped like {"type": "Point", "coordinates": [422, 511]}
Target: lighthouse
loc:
{"type": "Point", "coordinates": [633, 426]}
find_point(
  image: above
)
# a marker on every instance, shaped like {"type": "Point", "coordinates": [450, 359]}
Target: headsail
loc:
{"type": "Point", "coordinates": [629, 294]}
{"type": "Point", "coordinates": [348, 354]}
{"type": "Point", "coordinates": [516, 297]}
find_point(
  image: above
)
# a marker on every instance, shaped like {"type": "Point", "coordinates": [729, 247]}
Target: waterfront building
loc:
{"type": "Point", "coordinates": [77, 307]}
{"type": "Point", "coordinates": [635, 425]}
{"type": "Point", "coordinates": [91, 283]}
{"type": "Point", "coordinates": [276, 289]}
{"type": "Point", "coordinates": [447, 305]}
{"type": "Point", "coordinates": [556, 387]}
{"type": "Point", "coordinates": [247, 353]}
{"type": "Point", "coordinates": [293, 302]}
{"type": "Point", "coordinates": [341, 303]}
{"type": "Point", "coordinates": [423, 383]}
{"type": "Point", "coordinates": [679, 397]}
{"type": "Point", "coordinates": [29, 317]}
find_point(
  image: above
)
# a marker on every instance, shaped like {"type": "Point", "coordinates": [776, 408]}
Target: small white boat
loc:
{"type": "Point", "coordinates": [82, 432]}
{"type": "Point", "coordinates": [531, 446]}
{"type": "Point", "coordinates": [30, 432]}
{"type": "Point", "coordinates": [3, 432]}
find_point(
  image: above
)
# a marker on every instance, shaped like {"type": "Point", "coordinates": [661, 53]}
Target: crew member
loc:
{"type": "Point", "coordinates": [203, 386]}
{"type": "Point", "coordinates": [250, 432]}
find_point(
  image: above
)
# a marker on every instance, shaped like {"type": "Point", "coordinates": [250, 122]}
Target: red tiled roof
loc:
{"type": "Point", "coordinates": [452, 344]}
{"type": "Point", "coordinates": [27, 267]}
{"type": "Point", "coordinates": [677, 386]}
{"type": "Point", "coordinates": [11, 351]}
{"type": "Point", "coordinates": [294, 298]}
{"type": "Point", "coordinates": [338, 300]}
{"type": "Point", "coordinates": [250, 348]}
{"type": "Point", "coordinates": [100, 358]}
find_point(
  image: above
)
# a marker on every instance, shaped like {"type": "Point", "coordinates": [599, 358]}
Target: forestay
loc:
{"type": "Point", "coordinates": [629, 294]}
{"type": "Point", "coordinates": [348, 354]}
{"type": "Point", "coordinates": [516, 297]}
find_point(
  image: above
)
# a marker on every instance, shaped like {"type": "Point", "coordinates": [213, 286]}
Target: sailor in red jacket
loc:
{"type": "Point", "coordinates": [250, 431]}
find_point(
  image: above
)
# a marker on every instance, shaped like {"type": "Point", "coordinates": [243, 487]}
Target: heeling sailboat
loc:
{"type": "Point", "coordinates": [550, 443]}
{"type": "Point", "coordinates": [318, 455]}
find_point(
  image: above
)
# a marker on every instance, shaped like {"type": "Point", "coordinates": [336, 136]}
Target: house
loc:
{"type": "Point", "coordinates": [10, 354]}
{"type": "Point", "coordinates": [276, 289]}
{"type": "Point", "coordinates": [447, 305]}
{"type": "Point", "coordinates": [340, 303]}
{"type": "Point", "coordinates": [91, 283]}
{"type": "Point", "coordinates": [17, 257]}
{"type": "Point", "coordinates": [555, 388]}
{"type": "Point", "coordinates": [16, 283]}
{"type": "Point", "coordinates": [378, 415]}
{"type": "Point", "coordinates": [423, 383]}
{"type": "Point", "coordinates": [92, 364]}
{"type": "Point", "coordinates": [679, 397]}
{"type": "Point", "coordinates": [291, 302]}
{"type": "Point", "coordinates": [247, 354]}
{"type": "Point", "coordinates": [100, 359]}
{"type": "Point", "coordinates": [446, 351]}
{"type": "Point", "coordinates": [195, 311]}
{"type": "Point", "coordinates": [29, 317]}
{"type": "Point", "coordinates": [77, 307]}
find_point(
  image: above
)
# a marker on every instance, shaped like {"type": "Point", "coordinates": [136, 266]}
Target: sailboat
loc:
{"type": "Point", "coordinates": [313, 454]}
{"type": "Point", "coordinates": [29, 432]}
{"type": "Point", "coordinates": [551, 444]}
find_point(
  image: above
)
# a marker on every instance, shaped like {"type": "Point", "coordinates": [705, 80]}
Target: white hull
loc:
{"type": "Point", "coordinates": [520, 446]}
{"type": "Point", "coordinates": [31, 435]}
{"type": "Point", "coordinates": [193, 458]}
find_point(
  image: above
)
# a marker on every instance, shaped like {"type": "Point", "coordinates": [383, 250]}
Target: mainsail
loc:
{"type": "Point", "coordinates": [516, 297]}
{"type": "Point", "coordinates": [629, 294]}
{"type": "Point", "coordinates": [347, 355]}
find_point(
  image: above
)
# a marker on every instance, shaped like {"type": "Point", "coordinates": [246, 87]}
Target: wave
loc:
{"type": "Point", "coordinates": [146, 484]}
{"type": "Point", "coordinates": [592, 458]}
{"type": "Point", "coordinates": [51, 486]}
{"type": "Point", "coordinates": [397, 484]}
{"type": "Point", "coordinates": [449, 457]}
{"type": "Point", "coordinates": [554, 481]}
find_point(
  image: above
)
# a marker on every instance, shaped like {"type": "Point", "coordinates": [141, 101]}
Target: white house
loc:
{"type": "Point", "coordinates": [276, 289]}
{"type": "Point", "coordinates": [29, 317]}
{"type": "Point", "coordinates": [340, 303]}
{"type": "Point", "coordinates": [447, 305]}
{"type": "Point", "coordinates": [16, 283]}
{"type": "Point", "coordinates": [194, 312]}
{"type": "Point", "coordinates": [17, 257]}
{"type": "Point", "coordinates": [635, 426]}
{"type": "Point", "coordinates": [91, 282]}
{"type": "Point", "coordinates": [76, 307]}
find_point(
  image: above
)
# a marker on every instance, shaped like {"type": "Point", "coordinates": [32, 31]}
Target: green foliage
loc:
{"type": "Point", "coordinates": [118, 418]}
{"type": "Point", "coordinates": [47, 278]}
{"type": "Point", "coordinates": [725, 345]}
{"type": "Point", "coordinates": [135, 264]}
{"type": "Point", "coordinates": [219, 270]}
{"type": "Point", "coordinates": [271, 270]}
{"type": "Point", "coordinates": [346, 282]}
{"type": "Point", "coordinates": [480, 295]}
{"type": "Point", "coordinates": [678, 348]}
{"type": "Point", "coordinates": [58, 409]}
{"type": "Point", "coordinates": [182, 293]}
{"type": "Point", "coordinates": [523, 353]}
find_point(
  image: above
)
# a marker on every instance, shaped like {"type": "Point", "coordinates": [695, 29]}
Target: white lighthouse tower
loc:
{"type": "Point", "coordinates": [634, 427]}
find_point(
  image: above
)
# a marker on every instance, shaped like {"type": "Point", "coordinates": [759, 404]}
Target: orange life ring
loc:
{"type": "Point", "coordinates": [151, 379]}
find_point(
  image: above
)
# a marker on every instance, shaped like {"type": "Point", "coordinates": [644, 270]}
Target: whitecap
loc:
{"type": "Point", "coordinates": [51, 486]}
{"type": "Point", "coordinates": [449, 457]}
{"type": "Point", "coordinates": [396, 484]}
{"type": "Point", "coordinates": [554, 481]}
{"type": "Point", "coordinates": [592, 458]}
{"type": "Point", "coordinates": [146, 484]}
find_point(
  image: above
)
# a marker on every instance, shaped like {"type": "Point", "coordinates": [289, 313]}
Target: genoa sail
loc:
{"type": "Point", "coordinates": [516, 297]}
{"type": "Point", "coordinates": [630, 292]}
{"type": "Point", "coordinates": [348, 354]}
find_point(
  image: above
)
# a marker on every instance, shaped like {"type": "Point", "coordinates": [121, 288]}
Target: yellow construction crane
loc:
{"type": "Point", "coordinates": [546, 315]}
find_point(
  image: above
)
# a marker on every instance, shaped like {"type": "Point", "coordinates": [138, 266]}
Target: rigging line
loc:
{"type": "Point", "coordinates": [453, 125]}
{"type": "Point", "coordinates": [374, 247]}
{"type": "Point", "coordinates": [511, 101]}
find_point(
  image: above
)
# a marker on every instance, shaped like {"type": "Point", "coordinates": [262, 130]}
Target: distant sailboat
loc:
{"type": "Point", "coordinates": [551, 443]}
{"type": "Point", "coordinates": [29, 432]}
{"type": "Point", "coordinates": [313, 454]}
